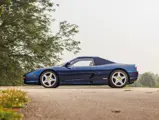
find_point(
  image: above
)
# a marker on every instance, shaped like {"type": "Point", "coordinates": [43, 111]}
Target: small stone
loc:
{"type": "Point", "coordinates": [116, 111]}
{"type": "Point", "coordinates": [127, 90]}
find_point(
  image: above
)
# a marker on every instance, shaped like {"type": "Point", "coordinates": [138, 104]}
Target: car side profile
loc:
{"type": "Point", "coordinates": [84, 71]}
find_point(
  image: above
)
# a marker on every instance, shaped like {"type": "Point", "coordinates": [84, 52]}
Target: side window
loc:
{"type": "Point", "coordinates": [85, 62]}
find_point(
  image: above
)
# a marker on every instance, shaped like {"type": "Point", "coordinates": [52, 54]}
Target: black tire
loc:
{"type": "Point", "coordinates": [55, 85]}
{"type": "Point", "coordinates": [112, 84]}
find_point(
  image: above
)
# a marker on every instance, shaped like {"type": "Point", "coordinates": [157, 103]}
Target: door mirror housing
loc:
{"type": "Point", "coordinates": [67, 64]}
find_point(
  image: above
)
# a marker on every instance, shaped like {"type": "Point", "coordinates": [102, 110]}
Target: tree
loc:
{"type": "Point", "coordinates": [27, 41]}
{"type": "Point", "coordinates": [148, 79]}
{"type": "Point", "coordinates": [157, 80]}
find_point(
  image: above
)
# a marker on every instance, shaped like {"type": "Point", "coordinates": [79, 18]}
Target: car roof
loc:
{"type": "Point", "coordinates": [81, 57]}
{"type": "Point", "coordinates": [97, 60]}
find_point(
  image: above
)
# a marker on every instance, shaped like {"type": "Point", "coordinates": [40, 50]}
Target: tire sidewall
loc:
{"type": "Point", "coordinates": [54, 85]}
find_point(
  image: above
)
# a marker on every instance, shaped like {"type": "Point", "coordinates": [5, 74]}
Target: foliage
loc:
{"type": "Point", "coordinates": [12, 98]}
{"type": "Point", "coordinates": [148, 80]}
{"type": "Point", "coordinates": [27, 40]}
{"type": "Point", "coordinates": [2, 3]}
{"type": "Point", "coordinates": [9, 115]}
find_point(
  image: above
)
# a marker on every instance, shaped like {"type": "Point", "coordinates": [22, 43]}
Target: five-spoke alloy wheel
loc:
{"type": "Point", "coordinates": [118, 79]}
{"type": "Point", "coordinates": [49, 79]}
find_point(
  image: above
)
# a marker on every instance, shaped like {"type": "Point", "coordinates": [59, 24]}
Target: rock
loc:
{"type": "Point", "coordinates": [116, 111]}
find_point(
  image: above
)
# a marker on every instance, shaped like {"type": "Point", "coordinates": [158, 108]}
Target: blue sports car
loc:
{"type": "Point", "coordinates": [84, 71]}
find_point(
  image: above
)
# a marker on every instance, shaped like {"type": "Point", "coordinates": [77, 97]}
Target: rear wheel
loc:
{"type": "Point", "coordinates": [49, 79]}
{"type": "Point", "coordinates": [118, 79]}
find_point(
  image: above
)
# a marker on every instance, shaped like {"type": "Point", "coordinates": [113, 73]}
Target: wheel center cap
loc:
{"type": "Point", "coordinates": [49, 78]}
{"type": "Point", "coordinates": [119, 78]}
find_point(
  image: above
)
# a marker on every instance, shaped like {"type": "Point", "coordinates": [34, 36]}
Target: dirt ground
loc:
{"type": "Point", "coordinates": [91, 103]}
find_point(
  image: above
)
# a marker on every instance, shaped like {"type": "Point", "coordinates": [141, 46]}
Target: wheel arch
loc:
{"type": "Point", "coordinates": [48, 70]}
{"type": "Point", "coordinates": [118, 69]}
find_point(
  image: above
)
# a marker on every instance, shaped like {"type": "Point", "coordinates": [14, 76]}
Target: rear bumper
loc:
{"type": "Point", "coordinates": [133, 76]}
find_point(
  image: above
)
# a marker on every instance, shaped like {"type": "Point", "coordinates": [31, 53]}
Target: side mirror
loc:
{"type": "Point", "coordinates": [67, 64]}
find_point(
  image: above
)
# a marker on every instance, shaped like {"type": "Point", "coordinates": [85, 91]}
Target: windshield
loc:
{"type": "Point", "coordinates": [62, 64]}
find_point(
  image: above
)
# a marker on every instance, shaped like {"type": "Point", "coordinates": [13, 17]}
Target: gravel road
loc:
{"type": "Point", "coordinates": [91, 103]}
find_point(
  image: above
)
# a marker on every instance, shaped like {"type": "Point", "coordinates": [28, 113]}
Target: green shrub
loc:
{"type": "Point", "coordinates": [12, 98]}
{"type": "Point", "coordinates": [9, 115]}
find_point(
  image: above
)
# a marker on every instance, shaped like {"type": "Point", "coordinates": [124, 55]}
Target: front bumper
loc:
{"type": "Point", "coordinates": [30, 80]}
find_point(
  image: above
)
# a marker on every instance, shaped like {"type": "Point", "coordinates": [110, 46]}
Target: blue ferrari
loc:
{"type": "Point", "coordinates": [84, 71]}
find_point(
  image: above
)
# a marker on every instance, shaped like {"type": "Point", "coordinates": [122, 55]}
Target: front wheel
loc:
{"type": "Point", "coordinates": [49, 79]}
{"type": "Point", "coordinates": [118, 79]}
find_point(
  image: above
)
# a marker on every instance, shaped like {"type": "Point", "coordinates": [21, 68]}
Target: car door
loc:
{"type": "Point", "coordinates": [100, 75]}
{"type": "Point", "coordinates": [80, 71]}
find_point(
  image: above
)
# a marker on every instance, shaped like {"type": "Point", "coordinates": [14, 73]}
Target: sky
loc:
{"type": "Point", "coordinates": [124, 31]}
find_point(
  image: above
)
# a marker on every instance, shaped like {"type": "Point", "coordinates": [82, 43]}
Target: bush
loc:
{"type": "Point", "coordinates": [12, 98]}
{"type": "Point", "coordinates": [9, 115]}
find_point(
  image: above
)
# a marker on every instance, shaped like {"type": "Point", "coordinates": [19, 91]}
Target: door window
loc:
{"type": "Point", "coordinates": [83, 62]}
